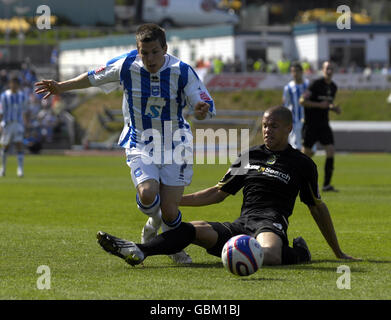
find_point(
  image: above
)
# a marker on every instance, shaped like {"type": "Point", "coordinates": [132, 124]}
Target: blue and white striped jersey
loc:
{"type": "Point", "coordinates": [150, 100]}
{"type": "Point", "coordinates": [12, 107]}
{"type": "Point", "coordinates": [291, 97]}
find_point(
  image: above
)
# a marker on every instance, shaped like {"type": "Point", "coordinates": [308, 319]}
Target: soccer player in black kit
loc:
{"type": "Point", "coordinates": [272, 176]}
{"type": "Point", "coordinates": [317, 102]}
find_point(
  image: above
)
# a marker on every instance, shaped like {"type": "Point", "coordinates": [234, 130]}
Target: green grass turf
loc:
{"type": "Point", "coordinates": [51, 216]}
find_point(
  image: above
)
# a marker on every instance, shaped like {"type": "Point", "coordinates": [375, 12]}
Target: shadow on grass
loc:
{"type": "Point", "coordinates": [310, 266]}
{"type": "Point", "coordinates": [313, 266]}
{"type": "Point", "coordinates": [178, 266]}
{"type": "Point", "coordinates": [378, 261]}
{"type": "Point", "coordinates": [260, 279]}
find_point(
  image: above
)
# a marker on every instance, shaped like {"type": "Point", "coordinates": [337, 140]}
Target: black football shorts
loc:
{"type": "Point", "coordinates": [313, 134]}
{"type": "Point", "coordinates": [250, 224]}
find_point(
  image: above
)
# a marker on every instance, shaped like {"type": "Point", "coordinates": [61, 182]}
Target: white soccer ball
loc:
{"type": "Point", "coordinates": [242, 255]}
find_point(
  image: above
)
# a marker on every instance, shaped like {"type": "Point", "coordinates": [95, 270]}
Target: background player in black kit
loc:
{"type": "Point", "coordinates": [317, 102]}
{"type": "Point", "coordinates": [274, 175]}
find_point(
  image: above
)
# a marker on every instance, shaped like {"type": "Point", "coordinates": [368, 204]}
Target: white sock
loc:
{"type": "Point", "coordinates": [3, 159]}
{"type": "Point", "coordinates": [20, 160]}
{"type": "Point", "coordinates": [152, 210]}
{"type": "Point", "coordinates": [172, 225]}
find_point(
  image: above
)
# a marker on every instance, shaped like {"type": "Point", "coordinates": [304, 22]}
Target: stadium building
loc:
{"type": "Point", "coordinates": [357, 47]}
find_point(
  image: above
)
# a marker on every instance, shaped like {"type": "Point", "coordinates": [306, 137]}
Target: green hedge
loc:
{"type": "Point", "coordinates": [364, 105]}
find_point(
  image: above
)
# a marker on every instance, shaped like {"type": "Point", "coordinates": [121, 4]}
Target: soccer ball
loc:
{"type": "Point", "coordinates": [242, 255]}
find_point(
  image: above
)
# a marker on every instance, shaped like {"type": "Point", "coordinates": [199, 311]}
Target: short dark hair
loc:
{"type": "Point", "coordinates": [15, 79]}
{"type": "Point", "coordinates": [297, 65]}
{"type": "Point", "coordinates": [281, 112]}
{"type": "Point", "coordinates": [151, 32]}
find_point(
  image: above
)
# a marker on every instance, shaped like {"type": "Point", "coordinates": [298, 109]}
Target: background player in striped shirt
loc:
{"type": "Point", "coordinates": [157, 86]}
{"type": "Point", "coordinates": [291, 96]}
{"type": "Point", "coordinates": [13, 119]}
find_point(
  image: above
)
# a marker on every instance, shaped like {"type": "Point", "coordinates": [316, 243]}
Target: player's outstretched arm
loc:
{"type": "Point", "coordinates": [52, 87]}
{"type": "Point", "coordinates": [204, 197]}
{"type": "Point", "coordinates": [322, 217]}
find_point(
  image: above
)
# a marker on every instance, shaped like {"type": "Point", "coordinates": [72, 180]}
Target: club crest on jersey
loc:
{"type": "Point", "coordinates": [271, 160]}
{"type": "Point", "coordinates": [137, 172]}
{"type": "Point", "coordinates": [155, 90]}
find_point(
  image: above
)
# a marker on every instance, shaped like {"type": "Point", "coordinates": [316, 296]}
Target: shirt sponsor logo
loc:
{"type": "Point", "coordinates": [100, 69]}
{"type": "Point", "coordinates": [284, 177]}
{"type": "Point", "coordinates": [204, 96]}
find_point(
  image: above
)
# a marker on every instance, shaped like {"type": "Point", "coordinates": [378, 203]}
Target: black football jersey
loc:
{"type": "Point", "coordinates": [320, 91]}
{"type": "Point", "coordinates": [272, 179]}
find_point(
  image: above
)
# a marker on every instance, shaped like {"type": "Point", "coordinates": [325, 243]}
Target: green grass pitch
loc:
{"type": "Point", "coordinates": [51, 216]}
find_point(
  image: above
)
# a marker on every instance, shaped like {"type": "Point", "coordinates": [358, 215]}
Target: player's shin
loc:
{"type": "Point", "coordinates": [152, 210]}
{"type": "Point", "coordinates": [170, 242]}
{"type": "Point", "coordinates": [328, 168]}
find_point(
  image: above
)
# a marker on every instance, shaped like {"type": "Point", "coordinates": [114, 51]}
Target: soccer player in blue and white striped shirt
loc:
{"type": "Point", "coordinates": [13, 105]}
{"type": "Point", "coordinates": [291, 96]}
{"type": "Point", "coordinates": [157, 87]}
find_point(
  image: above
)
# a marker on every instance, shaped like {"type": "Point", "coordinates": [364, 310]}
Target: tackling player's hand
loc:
{"type": "Point", "coordinates": [347, 257]}
{"type": "Point", "coordinates": [49, 87]}
{"type": "Point", "coordinates": [201, 110]}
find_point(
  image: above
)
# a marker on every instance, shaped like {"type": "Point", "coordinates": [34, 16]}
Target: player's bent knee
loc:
{"type": "Point", "coordinates": [206, 236]}
{"type": "Point", "coordinates": [271, 244]}
{"type": "Point", "coordinates": [147, 192]}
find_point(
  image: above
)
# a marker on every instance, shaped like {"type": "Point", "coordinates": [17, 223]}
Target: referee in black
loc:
{"type": "Point", "coordinates": [317, 101]}
{"type": "Point", "coordinates": [271, 176]}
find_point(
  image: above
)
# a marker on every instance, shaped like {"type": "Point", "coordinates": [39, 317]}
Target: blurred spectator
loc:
{"type": "Point", "coordinates": [307, 69]}
{"type": "Point", "coordinates": [283, 66]}
{"type": "Point", "coordinates": [47, 120]}
{"type": "Point", "coordinates": [258, 65]}
{"type": "Point", "coordinates": [385, 70]}
{"type": "Point", "coordinates": [3, 79]}
{"type": "Point", "coordinates": [271, 67]}
{"type": "Point", "coordinates": [237, 64]}
{"type": "Point", "coordinates": [367, 73]}
{"type": "Point", "coordinates": [218, 65]}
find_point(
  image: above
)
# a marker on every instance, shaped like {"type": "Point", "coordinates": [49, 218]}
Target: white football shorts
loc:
{"type": "Point", "coordinates": [295, 136]}
{"type": "Point", "coordinates": [12, 133]}
{"type": "Point", "coordinates": [170, 174]}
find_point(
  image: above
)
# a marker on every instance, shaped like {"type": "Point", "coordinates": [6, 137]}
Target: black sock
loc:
{"type": "Point", "coordinates": [328, 170]}
{"type": "Point", "coordinates": [293, 255]}
{"type": "Point", "coordinates": [170, 242]}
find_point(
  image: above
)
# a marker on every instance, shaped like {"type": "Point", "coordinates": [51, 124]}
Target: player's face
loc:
{"type": "Point", "coordinates": [297, 74]}
{"type": "Point", "coordinates": [152, 54]}
{"type": "Point", "coordinates": [275, 132]}
{"type": "Point", "coordinates": [327, 70]}
{"type": "Point", "coordinates": [14, 85]}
